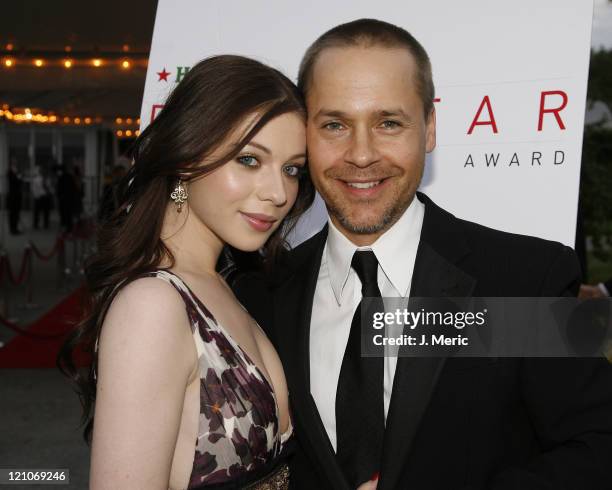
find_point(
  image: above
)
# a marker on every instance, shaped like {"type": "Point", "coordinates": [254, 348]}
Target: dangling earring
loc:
{"type": "Point", "coordinates": [179, 195]}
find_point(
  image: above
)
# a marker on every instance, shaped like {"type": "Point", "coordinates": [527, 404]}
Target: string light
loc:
{"type": "Point", "coordinates": [29, 115]}
{"type": "Point", "coordinates": [119, 133]}
{"type": "Point", "coordinates": [9, 47]}
{"type": "Point", "coordinates": [50, 60]}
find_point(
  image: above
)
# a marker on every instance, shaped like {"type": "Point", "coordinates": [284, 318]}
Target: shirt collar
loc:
{"type": "Point", "coordinates": [395, 251]}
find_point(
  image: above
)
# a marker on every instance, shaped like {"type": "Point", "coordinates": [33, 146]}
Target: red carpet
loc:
{"type": "Point", "coordinates": [31, 352]}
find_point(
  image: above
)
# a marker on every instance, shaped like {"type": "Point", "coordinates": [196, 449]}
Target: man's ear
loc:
{"type": "Point", "coordinates": [430, 131]}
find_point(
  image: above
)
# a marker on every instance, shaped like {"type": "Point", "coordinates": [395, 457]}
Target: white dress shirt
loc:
{"type": "Point", "coordinates": [337, 295]}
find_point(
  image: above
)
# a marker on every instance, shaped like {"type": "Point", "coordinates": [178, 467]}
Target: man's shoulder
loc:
{"type": "Point", "coordinates": [491, 253]}
{"type": "Point", "coordinates": [487, 240]}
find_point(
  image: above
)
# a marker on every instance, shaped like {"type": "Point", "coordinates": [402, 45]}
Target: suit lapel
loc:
{"type": "Point", "coordinates": [435, 275]}
{"type": "Point", "coordinates": [293, 306]}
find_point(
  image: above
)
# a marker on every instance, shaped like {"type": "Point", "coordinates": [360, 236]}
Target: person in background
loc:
{"type": "Point", "coordinates": [41, 192]}
{"type": "Point", "coordinates": [15, 196]}
{"type": "Point", "coordinates": [66, 191]}
{"type": "Point", "coordinates": [591, 291]}
{"type": "Point", "coordinates": [79, 191]}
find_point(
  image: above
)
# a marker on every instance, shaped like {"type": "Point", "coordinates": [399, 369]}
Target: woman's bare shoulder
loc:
{"type": "Point", "coordinates": [148, 314]}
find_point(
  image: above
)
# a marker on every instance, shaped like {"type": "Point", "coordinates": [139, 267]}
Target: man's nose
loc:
{"type": "Point", "coordinates": [272, 187]}
{"type": "Point", "coordinates": [362, 149]}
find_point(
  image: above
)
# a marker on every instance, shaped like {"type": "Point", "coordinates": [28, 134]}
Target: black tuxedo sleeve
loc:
{"type": "Point", "coordinates": [254, 294]}
{"type": "Point", "coordinates": [569, 402]}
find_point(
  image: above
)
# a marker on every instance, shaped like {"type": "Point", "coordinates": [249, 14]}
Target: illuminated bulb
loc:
{"type": "Point", "coordinates": [138, 121]}
{"type": "Point", "coordinates": [8, 115]}
{"type": "Point", "coordinates": [66, 119]}
{"type": "Point", "coordinates": [77, 120]}
{"type": "Point", "coordinates": [118, 120]}
{"type": "Point", "coordinates": [8, 62]}
{"type": "Point", "coordinates": [128, 120]}
{"type": "Point", "coordinates": [9, 47]}
{"type": "Point", "coordinates": [1, 113]}
{"type": "Point", "coordinates": [125, 64]}
{"type": "Point", "coordinates": [137, 132]}
{"type": "Point", "coordinates": [88, 120]}
{"type": "Point", "coordinates": [38, 62]}
{"type": "Point", "coordinates": [67, 49]}
{"type": "Point", "coordinates": [128, 132]}
{"type": "Point", "coordinates": [126, 47]}
{"type": "Point", "coordinates": [119, 133]}
{"type": "Point", "coordinates": [52, 118]}
{"type": "Point", "coordinates": [68, 63]}
{"type": "Point", "coordinates": [97, 62]}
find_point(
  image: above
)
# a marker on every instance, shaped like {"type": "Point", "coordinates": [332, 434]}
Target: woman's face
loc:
{"type": "Point", "coordinates": [244, 201]}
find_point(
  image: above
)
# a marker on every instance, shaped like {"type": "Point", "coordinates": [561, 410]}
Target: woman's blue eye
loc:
{"type": "Point", "coordinates": [293, 170]}
{"type": "Point", "coordinates": [247, 160]}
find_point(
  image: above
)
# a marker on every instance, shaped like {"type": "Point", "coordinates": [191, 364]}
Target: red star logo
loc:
{"type": "Point", "coordinates": [163, 75]}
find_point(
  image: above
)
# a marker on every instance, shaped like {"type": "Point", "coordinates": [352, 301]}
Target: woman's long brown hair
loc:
{"type": "Point", "coordinates": [213, 99]}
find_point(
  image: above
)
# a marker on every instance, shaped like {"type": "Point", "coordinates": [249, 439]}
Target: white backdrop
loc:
{"type": "Point", "coordinates": [501, 70]}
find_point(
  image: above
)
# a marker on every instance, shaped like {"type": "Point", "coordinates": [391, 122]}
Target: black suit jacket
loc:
{"type": "Point", "coordinates": [470, 423]}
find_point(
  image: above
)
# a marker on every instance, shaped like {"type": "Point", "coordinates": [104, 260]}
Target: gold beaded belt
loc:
{"type": "Point", "coordinates": [277, 480]}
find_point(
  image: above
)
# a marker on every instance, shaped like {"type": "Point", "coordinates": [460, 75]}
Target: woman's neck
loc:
{"type": "Point", "coordinates": [194, 246]}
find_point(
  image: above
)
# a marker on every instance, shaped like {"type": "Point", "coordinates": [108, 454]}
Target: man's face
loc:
{"type": "Point", "coordinates": [367, 137]}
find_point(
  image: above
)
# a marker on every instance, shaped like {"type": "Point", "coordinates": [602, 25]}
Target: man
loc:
{"type": "Point", "coordinates": [427, 423]}
{"type": "Point", "coordinates": [15, 196]}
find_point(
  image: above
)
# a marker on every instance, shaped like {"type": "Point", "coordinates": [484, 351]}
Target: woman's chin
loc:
{"type": "Point", "coordinates": [246, 244]}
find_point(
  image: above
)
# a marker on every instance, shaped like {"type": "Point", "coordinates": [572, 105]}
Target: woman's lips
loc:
{"type": "Point", "coordinates": [259, 222]}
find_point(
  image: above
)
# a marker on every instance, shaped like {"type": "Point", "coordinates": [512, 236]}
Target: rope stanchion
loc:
{"type": "Point", "coordinates": [46, 257]}
{"type": "Point", "coordinates": [82, 233]}
{"type": "Point", "coordinates": [27, 256]}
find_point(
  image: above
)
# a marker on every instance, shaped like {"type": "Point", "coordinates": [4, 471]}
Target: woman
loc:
{"type": "Point", "coordinates": [188, 391]}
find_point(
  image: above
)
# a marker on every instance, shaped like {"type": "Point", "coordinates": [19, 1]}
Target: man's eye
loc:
{"type": "Point", "coordinates": [293, 170]}
{"type": "Point", "coordinates": [247, 160]}
{"type": "Point", "coordinates": [390, 124]}
{"type": "Point", "coordinates": [333, 126]}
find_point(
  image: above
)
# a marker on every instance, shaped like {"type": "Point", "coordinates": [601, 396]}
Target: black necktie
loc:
{"type": "Point", "coordinates": [360, 412]}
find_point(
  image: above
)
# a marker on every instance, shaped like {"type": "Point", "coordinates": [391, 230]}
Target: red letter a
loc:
{"type": "Point", "coordinates": [490, 122]}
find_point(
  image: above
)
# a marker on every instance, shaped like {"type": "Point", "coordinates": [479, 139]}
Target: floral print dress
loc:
{"type": "Point", "coordinates": [238, 433]}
